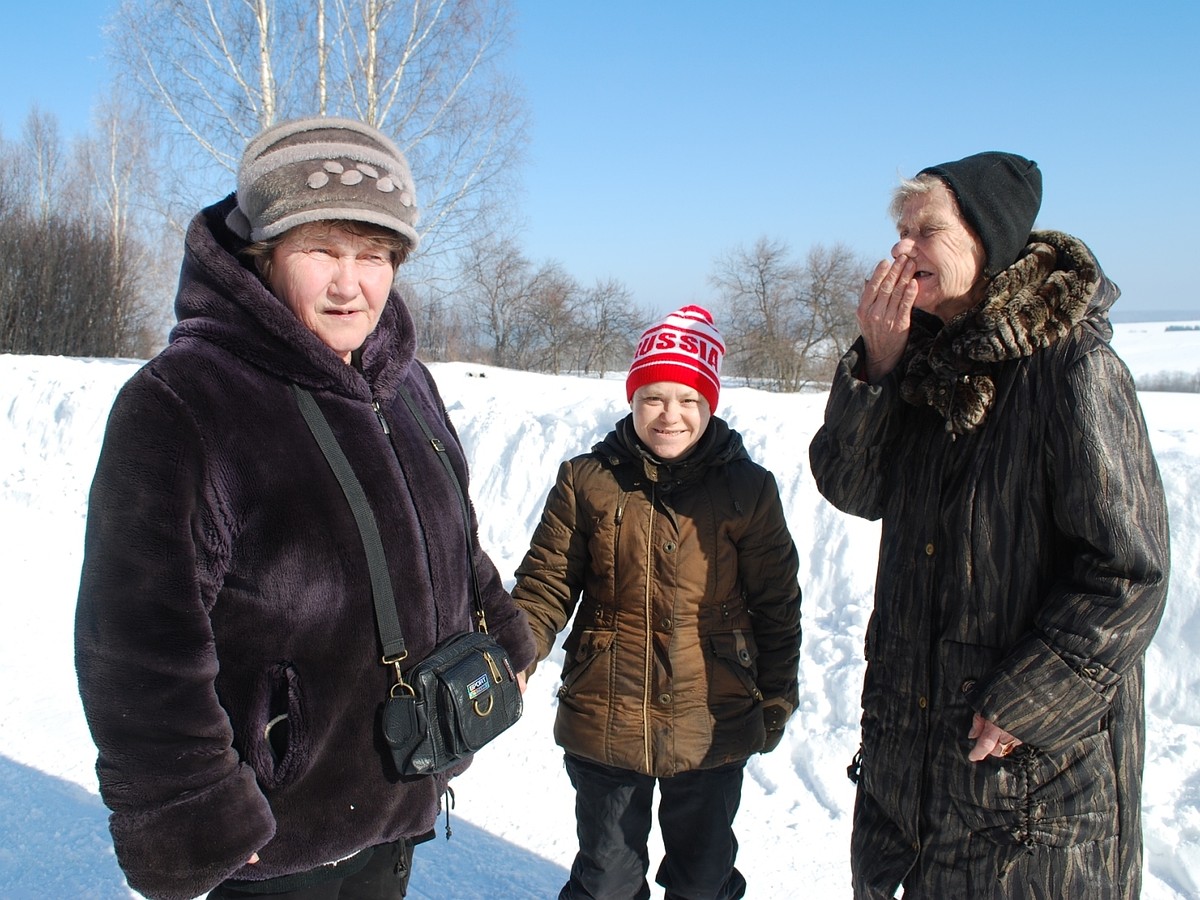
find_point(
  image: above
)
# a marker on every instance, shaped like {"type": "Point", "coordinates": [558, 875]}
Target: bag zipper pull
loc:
{"type": "Point", "coordinates": [492, 665]}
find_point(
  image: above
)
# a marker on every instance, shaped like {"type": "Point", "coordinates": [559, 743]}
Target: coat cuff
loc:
{"type": "Point", "coordinates": [1039, 698]}
{"type": "Point", "coordinates": [857, 413]}
{"type": "Point", "coordinates": [186, 848]}
{"type": "Point", "coordinates": [516, 637]}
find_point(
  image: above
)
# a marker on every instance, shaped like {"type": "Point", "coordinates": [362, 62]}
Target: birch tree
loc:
{"type": "Point", "coordinates": [426, 72]}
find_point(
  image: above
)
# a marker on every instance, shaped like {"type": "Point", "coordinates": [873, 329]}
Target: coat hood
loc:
{"type": "Point", "coordinates": [223, 301]}
{"type": "Point", "coordinates": [718, 446]}
{"type": "Point", "coordinates": [1054, 286]}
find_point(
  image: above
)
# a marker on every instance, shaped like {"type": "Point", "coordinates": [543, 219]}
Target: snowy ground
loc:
{"type": "Point", "coordinates": [513, 827]}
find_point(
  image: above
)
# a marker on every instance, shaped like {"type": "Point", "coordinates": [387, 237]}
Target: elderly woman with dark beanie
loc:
{"type": "Point", "coordinates": [226, 640]}
{"type": "Point", "coordinates": [1023, 563]}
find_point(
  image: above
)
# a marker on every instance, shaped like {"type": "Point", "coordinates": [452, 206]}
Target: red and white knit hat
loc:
{"type": "Point", "coordinates": [684, 348]}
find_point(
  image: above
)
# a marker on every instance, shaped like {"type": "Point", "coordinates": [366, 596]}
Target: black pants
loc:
{"type": "Point", "coordinates": [612, 818]}
{"type": "Point", "coordinates": [384, 877]}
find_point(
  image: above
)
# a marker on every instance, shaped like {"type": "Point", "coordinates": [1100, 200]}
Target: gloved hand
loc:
{"type": "Point", "coordinates": [775, 712]}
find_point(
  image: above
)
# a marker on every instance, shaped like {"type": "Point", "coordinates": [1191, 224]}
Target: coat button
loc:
{"type": "Point", "coordinates": [922, 702]}
{"type": "Point", "coordinates": [666, 624]}
{"type": "Point", "coordinates": [664, 699]}
{"type": "Point", "coordinates": [929, 549]}
{"type": "Point", "coordinates": [669, 546]}
{"type": "Point", "coordinates": [968, 685]}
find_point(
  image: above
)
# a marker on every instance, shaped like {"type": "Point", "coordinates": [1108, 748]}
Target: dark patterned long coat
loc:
{"type": "Point", "coordinates": [225, 584]}
{"type": "Point", "coordinates": [1022, 573]}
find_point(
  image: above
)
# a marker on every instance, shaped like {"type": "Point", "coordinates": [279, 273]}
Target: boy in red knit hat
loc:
{"type": "Point", "coordinates": [669, 548]}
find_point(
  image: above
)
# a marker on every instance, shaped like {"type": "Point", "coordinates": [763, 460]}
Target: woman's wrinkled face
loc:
{"type": "Point", "coordinates": [669, 418]}
{"type": "Point", "coordinates": [335, 282]}
{"type": "Point", "coordinates": [949, 258]}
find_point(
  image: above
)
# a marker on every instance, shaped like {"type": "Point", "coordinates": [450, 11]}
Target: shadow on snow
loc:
{"type": "Point", "coordinates": [54, 842]}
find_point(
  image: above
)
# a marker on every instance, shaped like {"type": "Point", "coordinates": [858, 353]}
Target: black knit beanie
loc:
{"type": "Point", "coordinates": [999, 194]}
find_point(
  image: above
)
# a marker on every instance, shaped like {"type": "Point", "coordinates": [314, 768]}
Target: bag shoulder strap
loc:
{"type": "Point", "coordinates": [386, 618]}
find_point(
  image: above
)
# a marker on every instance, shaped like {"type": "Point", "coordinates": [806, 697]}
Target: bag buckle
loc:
{"type": "Point", "coordinates": [403, 685]}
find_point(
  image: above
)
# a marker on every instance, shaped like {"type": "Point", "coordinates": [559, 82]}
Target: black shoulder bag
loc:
{"type": "Point", "coordinates": [465, 692]}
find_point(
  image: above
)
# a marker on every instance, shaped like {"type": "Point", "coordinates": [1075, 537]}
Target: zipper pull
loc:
{"type": "Point", "coordinates": [496, 676]}
{"type": "Point", "coordinates": [379, 415]}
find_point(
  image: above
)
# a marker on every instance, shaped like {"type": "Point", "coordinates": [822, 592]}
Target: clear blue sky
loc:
{"type": "Point", "coordinates": [666, 133]}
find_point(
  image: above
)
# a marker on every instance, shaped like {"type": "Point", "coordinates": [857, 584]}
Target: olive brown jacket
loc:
{"type": "Point", "coordinates": [682, 582]}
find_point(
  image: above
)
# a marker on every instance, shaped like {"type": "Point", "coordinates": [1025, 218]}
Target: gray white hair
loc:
{"type": "Point", "coordinates": [916, 186]}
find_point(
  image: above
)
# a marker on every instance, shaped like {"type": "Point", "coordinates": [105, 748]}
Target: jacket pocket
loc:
{"type": "Point", "coordinates": [1033, 797]}
{"type": "Point", "coordinates": [1059, 800]}
{"type": "Point", "coordinates": [276, 746]}
{"type": "Point", "coordinates": [735, 666]}
{"type": "Point", "coordinates": [582, 680]}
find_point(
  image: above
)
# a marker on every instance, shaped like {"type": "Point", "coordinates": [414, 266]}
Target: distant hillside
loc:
{"type": "Point", "coordinates": [1120, 314]}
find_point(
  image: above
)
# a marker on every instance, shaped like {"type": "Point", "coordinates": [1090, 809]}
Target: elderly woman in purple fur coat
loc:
{"type": "Point", "coordinates": [226, 641]}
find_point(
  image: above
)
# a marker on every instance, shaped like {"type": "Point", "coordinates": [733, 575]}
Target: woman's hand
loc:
{"type": "Point", "coordinates": [252, 860]}
{"type": "Point", "coordinates": [990, 740]}
{"type": "Point", "coordinates": [521, 681]}
{"type": "Point", "coordinates": [883, 314]}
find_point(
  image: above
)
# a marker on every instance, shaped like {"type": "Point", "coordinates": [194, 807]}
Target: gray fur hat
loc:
{"type": "Point", "coordinates": [318, 169]}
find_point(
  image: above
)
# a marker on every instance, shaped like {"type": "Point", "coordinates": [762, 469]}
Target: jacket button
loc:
{"type": "Point", "coordinates": [666, 624]}
{"type": "Point", "coordinates": [968, 685]}
{"type": "Point", "coordinates": [664, 699]}
{"type": "Point", "coordinates": [929, 549]}
{"type": "Point", "coordinates": [922, 702]}
{"type": "Point", "coordinates": [669, 546]}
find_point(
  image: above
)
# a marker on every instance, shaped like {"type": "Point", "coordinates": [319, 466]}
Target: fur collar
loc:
{"type": "Point", "coordinates": [1053, 286]}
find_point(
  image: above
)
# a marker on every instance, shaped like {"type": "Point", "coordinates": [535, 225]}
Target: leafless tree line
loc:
{"type": "Point", "coordinates": [91, 235]}
{"type": "Point", "coordinates": [787, 322]}
{"type": "Point", "coordinates": [75, 272]}
{"type": "Point", "coordinates": [1173, 381]}
{"type": "Point", "coordinates": [540, 318]}
{"type": "Point", "coordinates": [81, 274]}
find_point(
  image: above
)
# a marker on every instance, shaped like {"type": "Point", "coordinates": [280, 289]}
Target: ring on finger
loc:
{"type": "Point", "coordinates": [1006, 747]}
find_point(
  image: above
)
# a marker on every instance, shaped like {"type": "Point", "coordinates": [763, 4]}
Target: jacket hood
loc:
{"type": "Point", "coordinates": [1055, 286]}
{"type": "Point", "coordinates": [223, 301]}
{"type": "Point", "coordinates": [718, 446]}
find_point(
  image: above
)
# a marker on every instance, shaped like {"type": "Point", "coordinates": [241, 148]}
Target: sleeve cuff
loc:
{"type": "Point", "coordinates": [1039, 698]}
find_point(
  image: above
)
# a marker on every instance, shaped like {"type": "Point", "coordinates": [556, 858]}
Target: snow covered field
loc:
{"type": "Point", "coordinates": [513, 826]}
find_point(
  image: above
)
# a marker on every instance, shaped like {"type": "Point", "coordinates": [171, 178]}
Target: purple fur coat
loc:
{"type": "Point", "coordinates": [224, 584]}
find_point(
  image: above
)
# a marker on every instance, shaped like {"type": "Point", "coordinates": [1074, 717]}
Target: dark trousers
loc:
{"type": "Point", "coordinates": [612, 818]}
{"type": "Point", "coordinates": [384, 877]}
